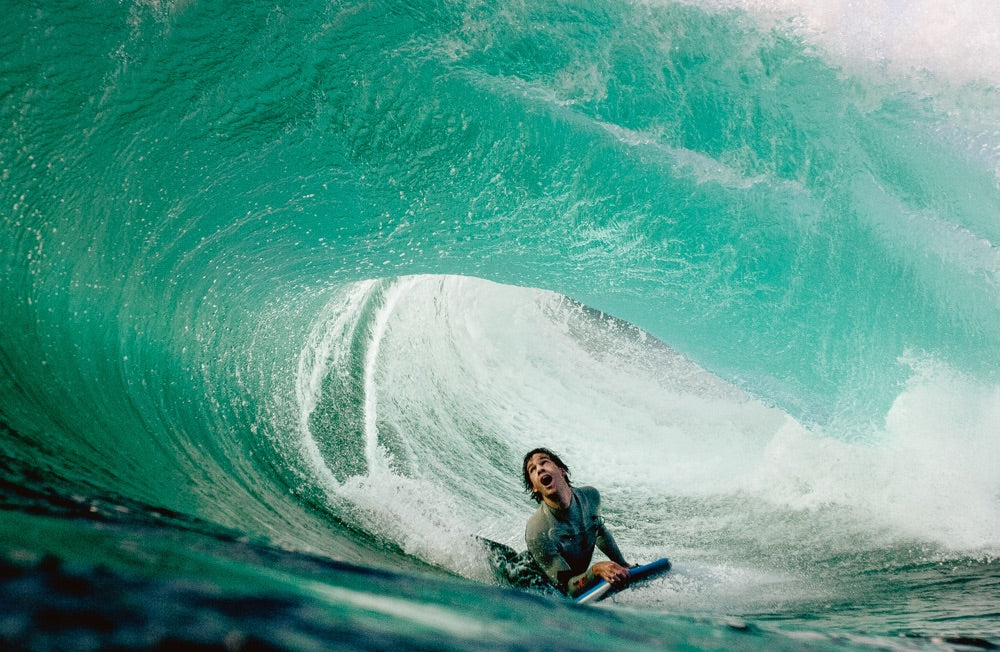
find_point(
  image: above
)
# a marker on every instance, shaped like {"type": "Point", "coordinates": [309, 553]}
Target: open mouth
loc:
{"type": "Point", "coordinates": [545, 479]}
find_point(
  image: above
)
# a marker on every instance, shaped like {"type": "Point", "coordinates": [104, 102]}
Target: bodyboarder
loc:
{"type": "Point", "coordinates": [563, 531]}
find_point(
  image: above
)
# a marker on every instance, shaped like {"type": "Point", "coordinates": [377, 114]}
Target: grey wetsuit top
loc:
{"type": "Point", "coordinates": [562, 541]}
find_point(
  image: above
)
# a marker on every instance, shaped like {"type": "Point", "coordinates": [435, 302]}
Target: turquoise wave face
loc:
{"type": "Point", "coordinates": [321, 273]}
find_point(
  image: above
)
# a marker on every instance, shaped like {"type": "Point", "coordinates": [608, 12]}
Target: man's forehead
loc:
{"type": "Point", "coordinates": [538, 457]}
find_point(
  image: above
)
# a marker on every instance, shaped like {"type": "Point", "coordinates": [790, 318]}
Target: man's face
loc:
{"type": "Point", "coordinates": [546, 477]}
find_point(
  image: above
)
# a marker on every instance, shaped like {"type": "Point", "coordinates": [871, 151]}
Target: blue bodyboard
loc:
{"type": "Point", "coordinates": [602, 588]}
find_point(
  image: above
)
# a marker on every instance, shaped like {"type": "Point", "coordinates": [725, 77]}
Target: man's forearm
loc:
{"type": "Point", "coordinates": [577, 585]}
{"type": "Point", "coordinates": [607, 544]}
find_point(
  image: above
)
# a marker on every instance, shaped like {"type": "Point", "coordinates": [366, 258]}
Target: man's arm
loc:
{"type": "Point", "coordinates": [615, 571]}
{"type": "Point", "coordinates": [607, 544]}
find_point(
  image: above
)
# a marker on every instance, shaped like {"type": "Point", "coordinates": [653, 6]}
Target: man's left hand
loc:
{"type": "Point", "coordinates": [614, 574]}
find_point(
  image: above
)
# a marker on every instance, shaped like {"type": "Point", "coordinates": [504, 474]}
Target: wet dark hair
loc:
{"type": "Point", "coordinates": [524, 469]}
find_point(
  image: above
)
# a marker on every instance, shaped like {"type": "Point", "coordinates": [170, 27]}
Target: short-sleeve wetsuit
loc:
{"type": "Point", "coordinates": [562, 540]}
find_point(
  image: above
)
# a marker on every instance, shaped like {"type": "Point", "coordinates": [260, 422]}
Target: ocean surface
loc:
{"type": "Point", "coordinates": [288, 289]}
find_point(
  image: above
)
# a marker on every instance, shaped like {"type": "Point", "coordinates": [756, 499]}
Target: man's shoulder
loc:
{"type": "Point", "coordinates": [538, 518]}
{"type": "Point", "coordinates": [589, 499]}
